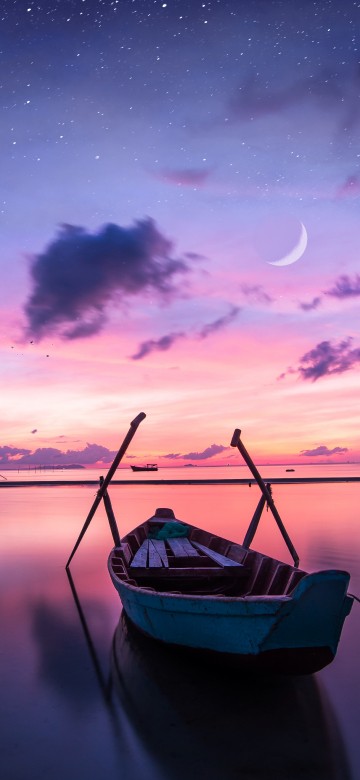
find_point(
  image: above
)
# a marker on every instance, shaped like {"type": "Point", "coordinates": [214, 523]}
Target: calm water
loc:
{"type": "Point", "coordinates": [82, 699]}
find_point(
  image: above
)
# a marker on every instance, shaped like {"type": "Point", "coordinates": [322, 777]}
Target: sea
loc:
{"type": "Point", "coordinates": [84, 697]}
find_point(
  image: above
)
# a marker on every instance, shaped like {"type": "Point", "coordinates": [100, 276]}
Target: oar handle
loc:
{"type": "Point", "coordinates": [137, 420]}
{"type": "Point", "coordinates": [131, 432]}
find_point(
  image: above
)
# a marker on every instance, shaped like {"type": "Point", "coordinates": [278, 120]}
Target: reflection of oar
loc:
{"type": "Point", "coordinates": [89, 641]}
{"type": "Point", "coordinates": [132, 430]}
{"type": "Point", "coordinates": [105, 687]}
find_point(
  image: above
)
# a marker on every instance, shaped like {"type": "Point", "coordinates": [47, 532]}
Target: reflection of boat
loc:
{"type": "Point", "coordinates": [187, 587]}
{"type": "Point", "coordinates": [148, 467]}
{"type": "Point", "coordinates": [196, 721]}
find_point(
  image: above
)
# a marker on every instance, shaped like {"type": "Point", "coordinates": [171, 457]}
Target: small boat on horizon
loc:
{"type": "Point", "coordinates": [187, 587]}
{"type": "Point", "coordinates": [289, 469]}
{"type": "Point", "coordinates": [148, 467]}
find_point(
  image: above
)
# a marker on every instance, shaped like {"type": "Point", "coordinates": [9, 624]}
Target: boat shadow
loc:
{"type": "Point", "coordinates": [195, 717]}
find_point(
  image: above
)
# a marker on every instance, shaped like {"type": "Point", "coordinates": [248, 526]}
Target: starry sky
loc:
{"type": "Point", "coordinates": [180, 233]}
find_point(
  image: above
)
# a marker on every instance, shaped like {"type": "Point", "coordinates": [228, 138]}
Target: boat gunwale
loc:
{"type": "Point", "coordinates": [130, 581]}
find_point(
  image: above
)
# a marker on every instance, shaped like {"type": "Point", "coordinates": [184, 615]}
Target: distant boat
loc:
{"type": "Point", "coordinates": [290, 469]}
{"type": "Point", "coordinates": [148, 467]}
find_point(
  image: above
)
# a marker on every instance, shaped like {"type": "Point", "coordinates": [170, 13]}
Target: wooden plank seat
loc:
{"type": "Point", "coordinates": [180, 557]}
{"type": "Point", "coordinates": [181, 547]}
{"type": "Point", "coordinates": [152, 553]}
{"type": "Point", "coordinates": [222, 560]}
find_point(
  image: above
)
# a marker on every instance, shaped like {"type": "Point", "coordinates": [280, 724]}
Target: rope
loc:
{"type": "Point", "coordinates": [354, 597]}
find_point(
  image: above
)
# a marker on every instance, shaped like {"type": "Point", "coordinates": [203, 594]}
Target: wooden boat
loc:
{"type": "Point", "coordinates": [187, 587]}
{"type": "Point", "coordinates": [204, 592]}
{"type": "Point", "coordinates": [148, 467]}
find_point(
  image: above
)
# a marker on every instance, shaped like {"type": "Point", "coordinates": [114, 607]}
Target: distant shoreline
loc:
{"type": "Point", "coordinates": [134, 482]}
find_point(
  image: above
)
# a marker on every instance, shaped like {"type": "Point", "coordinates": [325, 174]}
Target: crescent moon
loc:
{"type": "Point", "coordinates": [295, 253]}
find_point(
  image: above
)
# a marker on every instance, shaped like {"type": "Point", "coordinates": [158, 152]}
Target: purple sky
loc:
{"type": "Point", "coordinates": [157, 158]}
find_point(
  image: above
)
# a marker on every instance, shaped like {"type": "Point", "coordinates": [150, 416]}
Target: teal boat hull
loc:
{"type": "Point", "coordinates": [294, 634]}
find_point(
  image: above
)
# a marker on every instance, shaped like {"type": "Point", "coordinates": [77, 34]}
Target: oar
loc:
{"type": "Point", "coordinates": [132, 430]}
{"type": "Point", "coordinates": [111, 516]}
{"type": "Point", "coordinates": [236, 442]}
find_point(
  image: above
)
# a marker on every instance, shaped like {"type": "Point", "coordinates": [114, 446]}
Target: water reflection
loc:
{"type": "Point", "coordinates": [195, 718]}
{"type": "Point", "coordinates": [161, 718]}
{"type": "Point", "coordinates": [176, 716]}
{"type": "Point", "coordinates": [60, 654]}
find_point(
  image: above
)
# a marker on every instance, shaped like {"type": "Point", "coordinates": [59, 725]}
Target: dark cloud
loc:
{"type": "Point", "coordinates": [323, 450]}
{"type": "Point", "coordinates": [167, 341]}
{"type": "Point", "coordinates": [345, 287]}
{"type": "Point", "coordinates": [326, 359]}
{"type": "Point", "coordinates": [85, 328]}
{"type": "Point", "coordinates": [220, 323]}
{"type": "Point", "coordinates": [256, 293]}
{"type": "Point", "coordinates": [157, 345]}
{"type": "Point", "coordinates": [188, 177]}
{"type": "Point", "coordinates": [214, 449]}
{"type": "Point", "coordinates": [314, 304]}
{"type": "Point", "coordinates": [79, 274]}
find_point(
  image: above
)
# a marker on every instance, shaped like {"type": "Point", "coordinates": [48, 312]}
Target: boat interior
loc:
{"type": "Point", "coordinates": [154, 557]}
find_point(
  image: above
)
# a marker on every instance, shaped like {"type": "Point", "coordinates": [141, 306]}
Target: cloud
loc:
{"type": "Point", "coordinates": [194, 256]}
{"type": "Point", "coordinates": [350, 188]}
{"type": "Point", "coordinates": [34, 430]}
{"type": "Point", "coordinates": [256, 293]}
{"type": "Point", "coordinates": [345, 287]}
{"type": "Point", "coordinates": [12, 454]}
{"type": "Point", "coordinates": [220, 323]}
{"type": "Point", "coordinates": [214, 449]}
{"type": "Point", "coordinates": [326, 359]}
{"type": "Point", "coordinates": [79, 274]}
{"type": "Point", "coordinates": [327, 89]}
{"type": "Point", "coordinates": [167, 341]}
{"type": "Point", "coordinates": [257, 97]}
{"type": "Point", "coordinates": [157, 345]}
{"type": "Point", "coordinates": [188, 177]}
{"type": "Point", "coordinates": [51, 456]}
{"type": "Point", "coordinates": [209, 452]}
{"type": "Point", "coordinates": [323, 450]}
{"type": "Point", "coordinates": [314, 304]}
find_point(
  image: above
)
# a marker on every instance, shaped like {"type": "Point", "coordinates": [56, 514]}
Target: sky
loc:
{"type": "Point", "coordinates": [180, 233]}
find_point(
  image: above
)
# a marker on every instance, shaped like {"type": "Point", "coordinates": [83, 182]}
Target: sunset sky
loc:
{"type": "Point", "coordinates": [157, 159]}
